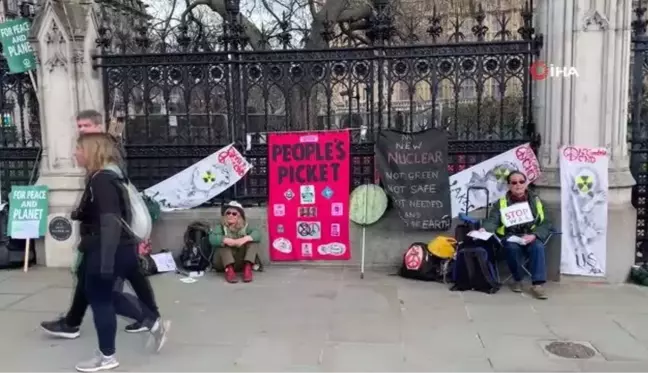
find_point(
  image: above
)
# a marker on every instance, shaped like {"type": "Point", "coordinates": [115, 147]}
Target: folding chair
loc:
{"type": "Point", "coordinates": [525, 263]}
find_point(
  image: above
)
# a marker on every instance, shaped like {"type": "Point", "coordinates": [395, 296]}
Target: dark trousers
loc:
{"type": "Point", "coordinates": [105, 301]}
{"type": "Point", "coordinates": [537, 265]}
{"type": "Point", "coordinates": [125, 302]}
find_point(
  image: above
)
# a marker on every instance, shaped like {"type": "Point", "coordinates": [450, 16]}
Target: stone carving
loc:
{"type": "Point", "coordinates": [594, 20]}
{"type": "Point", "coordinates": [57, 48]}
{"type": "Point", "coordinates": [78, 57]}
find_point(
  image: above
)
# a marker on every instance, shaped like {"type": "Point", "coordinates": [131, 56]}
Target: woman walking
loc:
{"type": "Point", "coordinates": [68, 326]}
{"type": "Point", "coordinates": [109, 249]}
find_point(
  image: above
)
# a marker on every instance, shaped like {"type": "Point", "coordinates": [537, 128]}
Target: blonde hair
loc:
{"type": "Point", "coordinates": [240, 222]}
{"type": "Point", "coordinates": [99, 149]}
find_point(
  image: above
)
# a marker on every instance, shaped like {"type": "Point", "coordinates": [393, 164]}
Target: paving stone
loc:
{"type": "Point", "coordinates": [518, 353]}
{"type": "Point", "coordinates": [613, 366]}
{"type": "Point", "coordinates": [611, 339]}
{"type": "Point", "coordinates": [278, 354]}
{"type": "Point", "coordinates": [636, 324]}
{"type": "Point", "coordinates": [22, 285]}
{"type": "Point", "coordinates": [46, 300]}
{"type": "Point", "coordinates": [508, 319]}
{"type": "Point", "coordinates": [9, 299]}
{"type": "Point", "coordinates": [328, 319]}
{"type": "Point", "coordinates": [363, 357]}
{"type": "Point", "coordinates": [444, 341]}
{"type": "Point", "coordinates": [371, 327]}
{"type": "Point", "coordinates": [376, 298]}
{"type": "Point", "coordinates": [432, 360]}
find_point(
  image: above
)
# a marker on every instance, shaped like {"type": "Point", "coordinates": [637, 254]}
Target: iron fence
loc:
{"type": "Point", "coordinates": [181, 103]}
{"type": "Point", "coordinates": [638, 128]}
{"type": "Point", "coordinates": [20, 139]}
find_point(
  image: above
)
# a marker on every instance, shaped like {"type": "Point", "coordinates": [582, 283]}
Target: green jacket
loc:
{"type": "Point", "coordinates": [219, 233]}
{"type": "Point", "coordinates": [541, 228]}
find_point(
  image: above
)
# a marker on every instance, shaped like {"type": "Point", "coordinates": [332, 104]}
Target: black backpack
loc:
{"type": "Point", "coordinates": [419, 264]}
{"type": "Point", "coordinates": [197, 252]}
{"type": "Point", "coordinates": [474, 271]}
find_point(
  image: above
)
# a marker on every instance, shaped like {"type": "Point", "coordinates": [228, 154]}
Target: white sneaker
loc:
{"type": "Point", "coordinates": [97, 363]}
{"type": "Point", "coordinates": [158, 335]}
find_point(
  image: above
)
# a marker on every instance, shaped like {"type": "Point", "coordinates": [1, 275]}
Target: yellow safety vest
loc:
{"type": "Point", "coordinates": [503, 202]}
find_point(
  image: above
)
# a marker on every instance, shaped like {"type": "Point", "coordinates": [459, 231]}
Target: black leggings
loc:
{"type": "Point", "coordinates": [105, 301]}
{"type": "Point", "coordinates": [124, 301]}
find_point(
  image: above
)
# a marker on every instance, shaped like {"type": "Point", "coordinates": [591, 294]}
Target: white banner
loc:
{"type": "Point", "coordinates": [201, 181]}
{"type": "Point", "coordinates": [584, 189]}
{"type": "Point", "coordinates": [491, 174]}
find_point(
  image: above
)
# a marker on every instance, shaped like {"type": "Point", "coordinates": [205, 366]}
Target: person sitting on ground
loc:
{"type": "Point", "coordinates": [235, 243]}
{"type": "Point", "coordinates": [532, 232]}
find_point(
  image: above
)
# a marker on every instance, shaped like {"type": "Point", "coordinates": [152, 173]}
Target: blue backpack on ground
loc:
{"type": "Point", "coordinates": [473, 270]}
{"type": "Point", "coordinates": [473, 267]}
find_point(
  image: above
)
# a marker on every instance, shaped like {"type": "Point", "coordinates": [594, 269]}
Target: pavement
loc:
{"type": "Point", "coordinates": [328, 319]}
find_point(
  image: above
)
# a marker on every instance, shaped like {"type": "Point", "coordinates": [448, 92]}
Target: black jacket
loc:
{"type": "Point", "coordinates": [102, 213]}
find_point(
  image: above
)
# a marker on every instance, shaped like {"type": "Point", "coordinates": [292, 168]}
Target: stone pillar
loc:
{"type": "Point", "coordinates": [64, 37]}
{"type": "Point", "coordinates": [588, 110]}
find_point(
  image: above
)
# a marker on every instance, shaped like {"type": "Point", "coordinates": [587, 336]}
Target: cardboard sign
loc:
{"type": "Point", "coordinates": [17, 50]}
{"type": "Point", "coordinates": [413, 168]}
{"type": "Point", "coordinates": [28, 209]}
{"type": "Point", "coordinates": [519, 213]}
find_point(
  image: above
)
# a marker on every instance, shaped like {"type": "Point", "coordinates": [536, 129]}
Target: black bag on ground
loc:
{"type": "Point", "coordinates": [197, 252]}
{"type": "Point", "coordinates": [473, 270]}
{"type": "Point", "coordinates": [147, 265]}
{"type": "Point", "coordinates": [419, 264]}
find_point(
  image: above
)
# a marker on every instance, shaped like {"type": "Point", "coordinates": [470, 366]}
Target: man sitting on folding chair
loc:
{"type": "Point", "coordinates": [519, 221]}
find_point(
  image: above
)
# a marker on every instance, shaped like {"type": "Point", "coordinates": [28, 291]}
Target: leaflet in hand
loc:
{"type": "Point", "coordinates": [480, 235]}
{"type": "Point", "coordinates": [517, 239]}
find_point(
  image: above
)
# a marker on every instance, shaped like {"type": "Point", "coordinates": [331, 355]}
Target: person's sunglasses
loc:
{"type": "Point", "coordinates": [515, 182]}
{"type": "Point", "coordinates": [231, 213]}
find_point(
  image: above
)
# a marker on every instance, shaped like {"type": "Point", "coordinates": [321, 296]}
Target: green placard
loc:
{"type": "Point", "coordinates": [368, 204]}
{"type": "Point", "coordinates": [17, 50]}
{"type": "Point", "coordinates": [28, 210]}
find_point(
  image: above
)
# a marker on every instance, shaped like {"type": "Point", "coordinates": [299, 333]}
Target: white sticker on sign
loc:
{"type": "Point", "coordinates": [279, 209]}
{"type": "Point", "coordinates": [307, 194]}
{"type": "Point", "coordinates": [334, 248]}
{"type": "Point", "coordinates": [336, 209]}
{"type": "Point", "coordinates": [309, 230]}
{"type": "Point", "coordinates": [307, 249]}
{"type": "Point", "coordinates": [519, 213]}
{"type": "Point", "coordinates": [282, 245]}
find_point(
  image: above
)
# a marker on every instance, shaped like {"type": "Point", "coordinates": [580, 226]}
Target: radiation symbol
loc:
{"type": "Point", "coordinates": [208, 177]}
{"type": "Point", "coordinates": [501, 173]}
{"type": "Point", "coordinates": [584, 182]}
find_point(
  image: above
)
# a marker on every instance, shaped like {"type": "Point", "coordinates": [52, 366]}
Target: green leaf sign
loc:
{"type": "Point", "coordinates": [16, 48]}
{"type": "Point", "coordinates": [28, 209]}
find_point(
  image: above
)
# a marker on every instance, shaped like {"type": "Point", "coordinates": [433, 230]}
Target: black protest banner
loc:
{"type": "Point", "coordinates": [414, 170]}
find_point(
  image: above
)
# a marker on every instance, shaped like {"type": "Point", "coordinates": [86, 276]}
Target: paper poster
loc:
{"type": "Point", "coordinates": [414, 170]}
{"type": "Point", "coordinates": [309, 179]}
{"type": "Point", "coordinates": [28, 210]}
{"type": "Point", "coordinates": [583, 192]}
{"type": "Point", "coordinates": [491, 174]}
{"type": "Point", "coordinates": [164, 262]}
{"type": "Point", "coordinates": [200, 182]}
